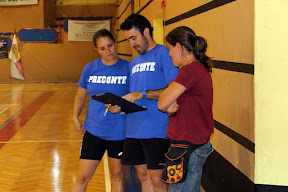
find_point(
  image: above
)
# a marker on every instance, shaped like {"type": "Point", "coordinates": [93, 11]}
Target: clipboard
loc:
{"type": "Point", "coordinates": [126, 106]}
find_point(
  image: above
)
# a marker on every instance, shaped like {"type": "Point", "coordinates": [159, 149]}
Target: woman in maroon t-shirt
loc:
{"type": "Point", "coordinates": [188, 101]}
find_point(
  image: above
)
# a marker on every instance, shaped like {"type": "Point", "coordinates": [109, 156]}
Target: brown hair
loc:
{"type": "Point", "coordinates": [187, 38]}
{"type": "Point", "coordinates": [102, 33]}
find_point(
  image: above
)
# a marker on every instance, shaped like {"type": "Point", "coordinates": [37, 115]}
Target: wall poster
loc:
{"type": "Point", "coordinates": [3, 48]}
{"type": "Point", "coordinates": [18, 2]}
{"type": "Point", "coordinates": [83, 30]}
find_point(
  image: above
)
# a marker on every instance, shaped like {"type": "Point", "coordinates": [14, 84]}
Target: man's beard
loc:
{"type": "Point", "coordinates": [145, 46]}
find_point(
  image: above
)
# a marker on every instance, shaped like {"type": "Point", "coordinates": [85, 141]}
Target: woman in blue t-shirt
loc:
{"type": "Point", "coordinates": [102, 130]}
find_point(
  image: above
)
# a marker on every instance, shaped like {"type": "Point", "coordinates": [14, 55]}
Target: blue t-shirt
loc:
{"type": "Point", "coordinates": [151, 71]}
{"type": "Point", "coordinates": [99, 78]}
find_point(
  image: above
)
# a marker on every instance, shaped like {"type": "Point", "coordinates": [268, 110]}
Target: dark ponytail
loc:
{"type": "Point", "coordinates": [196, 44]}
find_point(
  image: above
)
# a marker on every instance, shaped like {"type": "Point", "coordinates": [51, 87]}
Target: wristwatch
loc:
{"type": "Point", "coordinates": [144, 91]}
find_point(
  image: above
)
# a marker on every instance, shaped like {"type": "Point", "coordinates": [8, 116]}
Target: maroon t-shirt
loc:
{"type": "Point", "coordinates": [194, 120]}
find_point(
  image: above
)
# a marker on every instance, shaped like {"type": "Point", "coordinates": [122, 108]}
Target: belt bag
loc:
{"type": "Point", "coordinates": [176, 163]}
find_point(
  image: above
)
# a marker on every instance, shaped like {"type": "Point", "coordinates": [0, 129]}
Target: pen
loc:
{"type": "Point", "coordinates": [106, 110]}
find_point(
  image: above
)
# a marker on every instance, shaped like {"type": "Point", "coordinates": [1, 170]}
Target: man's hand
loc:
{"type": "Point", "coordinates": [132, 97]}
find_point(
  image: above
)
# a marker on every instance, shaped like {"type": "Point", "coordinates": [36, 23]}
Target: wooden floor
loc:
{"type": "Point", "coordinates": [39, 149]}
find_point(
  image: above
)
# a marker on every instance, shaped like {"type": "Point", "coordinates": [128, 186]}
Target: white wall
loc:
{"type": "Point", "coordinates": [271, 92]}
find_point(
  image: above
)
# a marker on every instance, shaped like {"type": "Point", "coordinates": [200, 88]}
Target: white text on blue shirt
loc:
{"type": "Point", "coordinates": [108, 79]}
{"type": "Point", "coordinates": [148, 66]}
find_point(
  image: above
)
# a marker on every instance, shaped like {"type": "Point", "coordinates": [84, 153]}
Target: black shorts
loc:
{"type": "Point", "coordinates": [145, 151]}
{"type": "Point", "coordinates": [94, 148]}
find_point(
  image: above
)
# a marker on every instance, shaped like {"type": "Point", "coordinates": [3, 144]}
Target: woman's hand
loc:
{"type": "Point", "coordinates": [79, 126]}
{"type": "Point", "coordinates": [114, 108]}
{"type": "Point", "coordinates": [173, 109]}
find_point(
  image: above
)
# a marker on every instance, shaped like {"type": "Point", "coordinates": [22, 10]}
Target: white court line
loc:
{"type": "Point", "coordinates": [106, 173]}
{"type": "Point", "coordinates": [21, 110]}
{"type": "Point", "coordinates": [44, 141]}
{"type": "Point", "coordinates": [5, 107]}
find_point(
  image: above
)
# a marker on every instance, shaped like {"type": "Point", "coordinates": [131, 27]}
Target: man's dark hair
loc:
{"type": "Point", "coordinates": [139, 22]}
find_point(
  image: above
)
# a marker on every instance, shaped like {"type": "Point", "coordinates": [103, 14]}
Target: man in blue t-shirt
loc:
{"type": "Point", "coordinates": [150, 73]}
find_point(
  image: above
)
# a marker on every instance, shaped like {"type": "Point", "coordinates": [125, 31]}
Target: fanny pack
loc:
{"type": "Point", "coordinates": [177, 161]}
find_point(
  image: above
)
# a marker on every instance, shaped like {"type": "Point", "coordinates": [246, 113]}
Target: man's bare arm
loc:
{"type": "Point", "coordinates": [150, 94]}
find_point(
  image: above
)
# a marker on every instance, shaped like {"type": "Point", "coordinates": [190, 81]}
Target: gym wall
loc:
{"type": "Point", "coordinates": [123, 10]}
{"type": "Point", "coordinates": [50, 62]}
{"type": "Point", "coordinates": [271, 96]}
{"type": "Point", "coordinates": [228, 27]}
